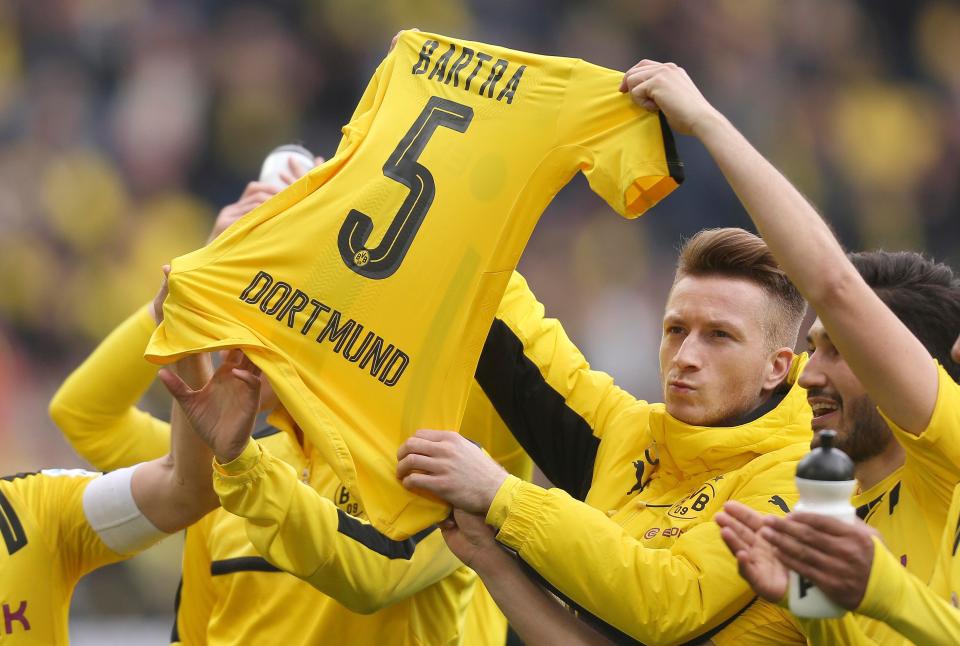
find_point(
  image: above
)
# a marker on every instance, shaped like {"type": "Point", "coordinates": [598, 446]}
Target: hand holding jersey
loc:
{"type": "Point", "coordinates": [302, 286]}
{"type": "Point", "coordinates": [908, 454]}
{"type": "Point", "coordinates": [451, 467]}
{"type": "Point", "coordinates": [223, 410]}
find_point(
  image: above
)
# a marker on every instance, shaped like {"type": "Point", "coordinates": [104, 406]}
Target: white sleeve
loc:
{"type": "Point", "coordinates": [113, 514]}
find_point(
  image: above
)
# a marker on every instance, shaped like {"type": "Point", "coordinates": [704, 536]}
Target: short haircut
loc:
{"type": "Point", "coordinates": [924, 295]}
{"type": "Point", "coordinates": [737, 253]}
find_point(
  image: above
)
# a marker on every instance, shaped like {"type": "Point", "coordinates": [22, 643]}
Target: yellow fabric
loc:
{"type": "Point", "coordinates": [46, 545]}
{"type": "Point", "coordinates": [919, 613]}
{"type": "Point", "coordinates": [96, 405]}
{"type": "Point", "coordinates": [648, 560]}
{"type": "Point", "coordinates": [422, 594]}
{"type": "Point", "coordinates": [908, 508]}
{"type": "Point", "coordinates": [337, 324]}
{"type": "Point", "coordinates": [762, 624]}
{"type": "Point", "coordinates": [96, 413]}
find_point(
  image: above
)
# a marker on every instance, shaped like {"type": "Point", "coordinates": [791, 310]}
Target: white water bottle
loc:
{"type": "Point", "coordinates": [825, 481]}
{"type": "Point", "coordinates": [278, 162]}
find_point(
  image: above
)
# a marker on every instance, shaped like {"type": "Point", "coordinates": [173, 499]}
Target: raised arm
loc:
{"type": "Point", "coordinates": [95, 408]}
{"type": "Point", "coordinates": [176, 491]}
{"type": "Point", "coordinates": [544, 390]}
{"type": "Point", "coordinates": [902, 379]}
{"type": "Point", "coordinates": [292, 525]}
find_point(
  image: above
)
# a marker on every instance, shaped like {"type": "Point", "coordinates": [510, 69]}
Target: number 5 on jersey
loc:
{"type": "Point", "coordinates": [403, 167]}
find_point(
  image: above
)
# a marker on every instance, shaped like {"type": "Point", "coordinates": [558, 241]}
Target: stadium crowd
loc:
{"type": "Point", "coordinates": [119, 149]}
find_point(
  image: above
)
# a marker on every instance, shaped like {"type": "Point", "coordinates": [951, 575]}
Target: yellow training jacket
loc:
{"type": "Point", "coordinates": [365, 290]}
{"type": "Point", "coordinates": [628, 535]}
{"type": "Point", "coordinates": [908, 507]}
{"type": "Point", "coordinates": [229, 593]}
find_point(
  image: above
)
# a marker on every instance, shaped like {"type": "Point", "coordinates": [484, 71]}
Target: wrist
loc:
{"type": "Point", "coordinates": [227, 455]}
{"type": "Point", "coordinates": [710, 124]}
{"type": "Point", "coordinates": [489, 560]}
{"type": "Point", "coordinates": [490, 492]}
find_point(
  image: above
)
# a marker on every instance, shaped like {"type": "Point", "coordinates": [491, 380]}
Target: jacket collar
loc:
{"type": "Point", "coordinates": [689, 450]}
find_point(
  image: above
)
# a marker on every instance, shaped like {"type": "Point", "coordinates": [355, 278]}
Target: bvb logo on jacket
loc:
{"type": "Point", "coordinates": [692, 505]}
{"type": "Point", "coordinates": [347, 503]}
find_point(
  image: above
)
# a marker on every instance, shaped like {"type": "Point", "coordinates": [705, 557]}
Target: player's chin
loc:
{"type": "Point", "coordinates": [688, 408]}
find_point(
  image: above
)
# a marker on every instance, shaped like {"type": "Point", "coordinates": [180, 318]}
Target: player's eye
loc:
{"type": "Point", "coordinates": [674, 329]}
{"type": "Point", "coordinates": [721, 334]}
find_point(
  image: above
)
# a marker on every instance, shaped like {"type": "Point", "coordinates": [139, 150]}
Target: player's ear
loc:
{"type": "Point", "coordinates": [778, 368]}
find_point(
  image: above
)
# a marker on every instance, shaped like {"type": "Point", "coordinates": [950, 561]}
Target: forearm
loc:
{"type": "Point", "coordinates": [176, 491]}
{"type": "Point", "coordinates": [191, 455]}
{"type": "Point", "coordinates": [544, 390]}
{"type": "Point", "coordinates": [95, 406]}
{"type": "Point", "coordinates": [536, 616]}
{"type": "Point", "coordinates": [810, 254]}
{"type": "Point", "coordinates": [791, 227]}
{"type": "Point", "coordinates": [305, 534]}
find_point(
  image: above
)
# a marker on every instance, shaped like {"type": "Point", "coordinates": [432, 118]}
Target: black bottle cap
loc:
{"type": "Point", "coordinates": [826, 462]}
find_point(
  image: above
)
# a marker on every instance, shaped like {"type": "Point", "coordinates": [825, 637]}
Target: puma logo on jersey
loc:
{"type": "Point", "coordinates": [444, 71]}
{"type": "Point", "coordinates": [14, 618]}
{"type": "Point", "coordinates": [780, 503]}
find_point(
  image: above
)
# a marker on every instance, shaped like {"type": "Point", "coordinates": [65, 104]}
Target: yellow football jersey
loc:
{"type": "Point", "coordinates": [908, 507]}
{"type": "Point", "coordinates": [365, 290]}
{"type": "Point", "coordinates": [47, 546]}
{"type": "Point", "coordinates": [229, 594]}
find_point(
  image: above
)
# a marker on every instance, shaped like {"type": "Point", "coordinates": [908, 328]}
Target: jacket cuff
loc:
{"type": "Point", "coordinates": [523, 515]}
{"type": "Point", "coordinates": [884, 572]}
{"type": "Point", "coordinates": [500, 506]}
{"type": "Point", "coordinates": [241, 465]}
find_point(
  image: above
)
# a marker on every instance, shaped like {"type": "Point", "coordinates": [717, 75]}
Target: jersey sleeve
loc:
{"type": "Point", "coordinates": [195, 595]}
{"type": "Point", "coordinates": [56, 498]}
{"type": "Point", "coordinates": [902, 601]}
{"type": "Point", "coordinates": [659, 596]}
{"type": "Point", "coordinates": [545, 391]}
{"type": "Point", "coordinates": [933, 456]}
{"type": "Point", "coordinates": [301, 532]}
{"type": "Point", "coordinates": [95, 408]}
{"type": "Point", "coordinates": [359, 124]}
{"type": "Point", "coordinates": [626, 153]}
{"type": "Point", "coordinates": [761, 624]}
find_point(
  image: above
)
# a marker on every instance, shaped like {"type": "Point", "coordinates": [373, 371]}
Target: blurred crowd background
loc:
{"type": "Point", "coordinates": [125, 125]}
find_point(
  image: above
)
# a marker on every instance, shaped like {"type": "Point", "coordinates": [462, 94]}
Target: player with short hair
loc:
{"type": "Point", "coordinates": [887, 323]}
{"type": "Point", "coordinates": [626, 536]}
{"type": "Point", "coordinates": [906, 480]}
{"type": "Point", "coordinates": [57, 525]}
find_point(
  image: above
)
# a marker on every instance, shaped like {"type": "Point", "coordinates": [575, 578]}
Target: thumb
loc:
{"type": "Point", "coordinates": [175, 385]}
